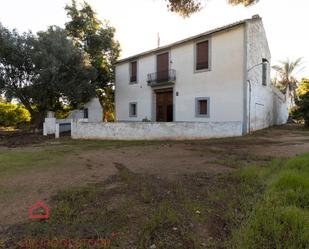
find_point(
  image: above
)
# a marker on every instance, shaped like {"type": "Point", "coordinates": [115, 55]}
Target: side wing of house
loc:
{"type": "Point", "coordinates": [133, 96]}
{"type": "Point", "coordinates": [259, 106]}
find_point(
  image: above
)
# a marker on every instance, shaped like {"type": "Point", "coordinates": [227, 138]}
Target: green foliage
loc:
{"type": "Point", "coordinates": [95, 38]}
{"type": "Point", "coordinates": [16, 65]}
{"type": "Point", "coordinates": [187, 7]}
{"type": "Point", "coordinates": [13, 115]}
{"type": "Point", "coordinates": [107, 99]}
{"type": "Point", "coordinates": [63, 72]}
{"type": "Point", "coordinates": [44, 71]}
{"type": "Point", "coordinates": [63, 113]}
{"type": "Point", "coordinates": [281, 218]}
{"type": "Point", "coordinates": [302, 109]}
{"type": "Point", "coordinates": [287, 72]}
{"type": "Point", "coordinates": [243, 2]}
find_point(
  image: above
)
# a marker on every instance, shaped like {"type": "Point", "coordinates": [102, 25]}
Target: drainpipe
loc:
{"type": "Point", "coordinates": [245, 123]}
{"type": "Point", "coordinates": [249, 115]}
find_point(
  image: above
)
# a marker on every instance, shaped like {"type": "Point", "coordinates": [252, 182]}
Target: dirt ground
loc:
{"type": "Point", "coordinates": [168, 160]}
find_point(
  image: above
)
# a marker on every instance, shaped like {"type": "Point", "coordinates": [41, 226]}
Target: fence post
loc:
{"type": "Point", "coordinates": [57, 133]}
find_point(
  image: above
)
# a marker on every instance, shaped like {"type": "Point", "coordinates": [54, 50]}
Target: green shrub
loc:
{"type": "Point", "coordinates": [12, 115]}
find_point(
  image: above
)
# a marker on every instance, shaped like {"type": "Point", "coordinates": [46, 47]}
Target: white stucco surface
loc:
{"type": "Point", "coordinates": [281, 107]}
{"type": "Point", "coordinates": [49, 126]}
{"type": "Point", "coordinates": [260, 98]}
{"type": "Point", "coordinates": [95, 111]}
{"type": "Point", "coordinates": [154, 130]}
{"type": "Point", "coordinates": [233, 84]}
{"type": "Point", "coordinates": [95, 114]}
{"type": "Point", "coordinates": [222, 83]}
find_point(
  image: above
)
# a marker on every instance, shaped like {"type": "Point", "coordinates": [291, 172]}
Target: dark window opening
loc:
{"type": "Point", "coordinates": [202, 55]}
{"type": "Point", "coordinates": [133, 110]}
{"type": "Point", "coordinates": [86, 113]}
{"type": "Point", "coordinates": [133, 72]}
{"type": "Point", "coordinates": [264, 73]}
{"type": "Point", "coordinates": [202, 107]}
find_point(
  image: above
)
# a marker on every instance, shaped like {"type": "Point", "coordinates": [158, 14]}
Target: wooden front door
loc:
{"type": "Point", "coordinates": [164, 106]}
{"type": "Point", "coordinates": [162, 67]}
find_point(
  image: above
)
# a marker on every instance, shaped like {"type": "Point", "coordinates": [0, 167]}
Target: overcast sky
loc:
{"type": "Point", "coordinates": [138, 21]}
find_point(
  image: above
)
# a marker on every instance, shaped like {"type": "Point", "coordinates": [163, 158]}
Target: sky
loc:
{"type": "Point", "coordinates": [138, 22]}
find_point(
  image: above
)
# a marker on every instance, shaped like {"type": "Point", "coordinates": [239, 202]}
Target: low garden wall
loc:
{"type": "Point", "coordinates": [154, 131]}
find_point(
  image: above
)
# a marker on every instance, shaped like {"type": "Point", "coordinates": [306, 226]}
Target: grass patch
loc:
{"type": "Point", "coordinates": [256, 207]}
{"type": "Point", "coordinates": [15, 161]}
{"type": "Point", "coordinates": [280, 219]}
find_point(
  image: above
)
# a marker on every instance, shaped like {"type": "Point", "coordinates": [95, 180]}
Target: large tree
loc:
{"type": "Point", "coordinates": [44, 71]}
{"type": "Point", "coordinates": [97, 39]}
{"type": "Point", "coordinates": [94, 37]}
{"type": "Point", "coordinates": [187, 7]}
{"type": "Point", "coordinates": [17, 71]}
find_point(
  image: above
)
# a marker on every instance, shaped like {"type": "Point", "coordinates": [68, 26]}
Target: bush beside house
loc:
{"type": "Point", "coordinates": [13, 115]}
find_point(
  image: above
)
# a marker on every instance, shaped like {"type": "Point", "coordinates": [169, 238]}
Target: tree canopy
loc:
{"type": "Point", "coordinates": [43, 71]}
{"type": "Point", "coordinates": [287, 71]}
{"type": "Point", "coordinates": [187, 7]}
{"type": "Point", "coordinates": [303, 100]}
{"type": "Point", "coordinates": [95, 38]}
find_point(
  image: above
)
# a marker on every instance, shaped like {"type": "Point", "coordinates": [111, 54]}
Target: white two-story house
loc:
{"type": "Point", "coordinates": [222, 75]}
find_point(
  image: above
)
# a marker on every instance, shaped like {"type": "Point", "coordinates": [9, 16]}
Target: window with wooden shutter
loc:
{"type": "Point", "coordinates": [133, 71]}
{"type": "Point", "coordinates": [202, 107]}
{"type": "Point", "coordinates": [202, 55]}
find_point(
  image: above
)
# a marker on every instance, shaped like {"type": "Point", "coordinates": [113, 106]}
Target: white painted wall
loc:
{"type": "Point", "coordinates": [233, 84]}
{"type": "Point", "coordinates": [76, 114]}
{"type": "Point", "coordinates": [154, 130]}
{"type": "Point", "coordinates": [49, 126]}
{"type": "Point", "coordinates": [95, 110]}
{"type": "Point", "coordinates": [141, 93]}
{"type": "Point", "coordinates": [281, 107]}
{"type": "Point", "coordinates": [95, 114]}
{"type": "Point", "coordinates": [260, 98]}
{"type": "Point", "coordinates": [223, 84]}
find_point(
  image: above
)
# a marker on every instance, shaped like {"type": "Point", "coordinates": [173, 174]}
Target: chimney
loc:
{"type": "Point", "coordinates": [257, 16]}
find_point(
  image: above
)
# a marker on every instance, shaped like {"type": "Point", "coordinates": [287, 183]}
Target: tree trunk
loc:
{"type": "Point", "coordinates": [37, 119]}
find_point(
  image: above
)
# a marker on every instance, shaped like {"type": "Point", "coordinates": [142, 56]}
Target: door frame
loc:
{"type": "Point", "coordinates": [154, 101]}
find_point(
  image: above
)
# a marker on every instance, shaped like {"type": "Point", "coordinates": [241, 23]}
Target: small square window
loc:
{"type": "Point", "coordinates": [133, 110]}
{"type": "Point", "coordinates": [202, 107]}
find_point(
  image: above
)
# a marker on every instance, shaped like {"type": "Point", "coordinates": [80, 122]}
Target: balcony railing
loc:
{"type": "Point", "coordinates": [162, 77]}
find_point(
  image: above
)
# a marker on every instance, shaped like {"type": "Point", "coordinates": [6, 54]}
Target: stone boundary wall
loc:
{"type": "Point", "coordinates": [154, 131]}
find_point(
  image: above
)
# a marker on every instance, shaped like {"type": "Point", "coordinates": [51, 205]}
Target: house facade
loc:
{"type": "Point", "coordinates": [220, 76]}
